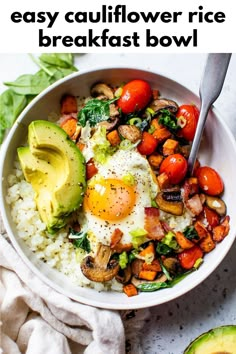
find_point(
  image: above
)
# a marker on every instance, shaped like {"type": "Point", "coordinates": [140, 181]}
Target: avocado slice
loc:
{"type": "Point", "coordinates": [55, 167]}
{"type": "Point", "coordinates": [220, 340]}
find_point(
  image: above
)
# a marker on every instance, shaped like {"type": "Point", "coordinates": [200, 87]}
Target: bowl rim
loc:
{"type": "Point", "coordinates": [122, 305]}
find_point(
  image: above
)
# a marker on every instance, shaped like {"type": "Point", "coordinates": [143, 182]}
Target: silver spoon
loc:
{"type": "Point", "coordinates": [210, 88]}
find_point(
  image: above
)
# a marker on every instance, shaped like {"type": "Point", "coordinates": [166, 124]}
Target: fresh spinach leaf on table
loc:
{"type": "Point", "coordinates": [53, 66]}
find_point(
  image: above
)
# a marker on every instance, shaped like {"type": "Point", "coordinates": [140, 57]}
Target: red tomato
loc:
{"type": "Point", "coordinates": [209, 180]}
{"type": "Point", "coordinates": [175, 166]}
{"type": "Point", "coordinates": [91, 169]}
{"type": "Point", "coordinates": [135, 96]}
{"type": "Point", "coordinates": [191, 115]}
{"type": "Point", "coordinates": [188, 257]}
{"type": "Point", "coordinates": [148, 144]}
{"type": "Point", "coordinates": [212, 217]}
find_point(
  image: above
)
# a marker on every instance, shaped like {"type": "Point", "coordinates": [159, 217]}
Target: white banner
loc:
{"type": "Point", "coordinates": [111, 26]}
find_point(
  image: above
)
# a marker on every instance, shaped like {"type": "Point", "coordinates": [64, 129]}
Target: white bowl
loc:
{"type": "Point", "coordinates": [218, 150]}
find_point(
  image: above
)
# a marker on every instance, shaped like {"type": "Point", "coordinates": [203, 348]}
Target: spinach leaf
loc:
{"type": "Point", "coordinates": [81, 240]}
{"type": "Point", "coordinates": [30, 84]}
{"type": "Point", "coordinates": [163, 249]}
{"type": "Point", "coordinates": [11, 105]}
{"type": "Point", "coordinates": [154, 286]}
{"type": "Point", "coordinates": [21, 91]}
{"type": "Point", "coordinates": [168, 120]}
{"type": "Point", "coordinates": [148, 287]}
{"type": "Point", "coordinates": [190, 233]}
{"type": "Point", "coordinates": [62, 60]}
{"type": "Point", "coordinates": [95, 111]}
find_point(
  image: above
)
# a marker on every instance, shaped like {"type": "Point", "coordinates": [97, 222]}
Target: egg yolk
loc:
{"type": "Point", "coordinates": [109, 199]}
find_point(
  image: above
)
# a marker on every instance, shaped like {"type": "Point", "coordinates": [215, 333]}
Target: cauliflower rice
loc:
{"type": "Point", "coordinates": [56, 250]}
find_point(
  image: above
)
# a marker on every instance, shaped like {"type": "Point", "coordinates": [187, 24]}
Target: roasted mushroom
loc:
{"type": "Point", "coordinates": [124, 275]}
{"type": "Point", "coordinates": [216, 204]}
{"type": "Point", "coordinates": [163, 103]}
{"type": "Point", "coordinates": [100, 268]}
{"type": "Point", "coordinates": [109, 124]}
{"type": "Point", "coordinates": [172, 207]}
{"type": "Point", "coordinates": [101, 89]}
{"type": "Point", "coordinates": [130, 132]}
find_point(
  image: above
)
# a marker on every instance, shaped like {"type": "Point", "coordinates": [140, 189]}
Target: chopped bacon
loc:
{"type": "Point", "coordinates": [123, 247]}
{"type": "Point", "coordinates": [190, 187]}
{"type": "Point", "coordinates": [222, 230]}
{"type": "Point", "coordinates": [116, 237]}
{"type": "Point", "coordinates": [194, 205]}
{"type": "Point", "coordinates": [166, 226]}
{"type": "Point", "coordinates": [153, 224]}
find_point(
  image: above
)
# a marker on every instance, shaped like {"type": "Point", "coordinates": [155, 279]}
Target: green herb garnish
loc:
{"type": "Point", "coordinates": [95, 111]}
{"type": "Point", "coordinates": [81, 240]}
{"type": "Point", "coordinates": [168, 120]}
{"type": "Point", "coordinates": [190, 233]}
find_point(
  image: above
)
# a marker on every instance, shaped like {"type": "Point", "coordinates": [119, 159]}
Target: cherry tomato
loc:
{"type": "Point", "coordinates": [212, 217]}
{"type": "Point", "coordinates": [191, 114]}
{"type": "Point", "coordinates": [209, 180]}
{"type": "Point", "coordinates": [148, 144]}
{"type": "Point", "coordinates": [175, 166]}
{"type": "Point", "coordinates": [91, 169]}
{"type": "Point", "coordinates": [188, 257]}
{"type": "Point", "coordinates": [135, 96]}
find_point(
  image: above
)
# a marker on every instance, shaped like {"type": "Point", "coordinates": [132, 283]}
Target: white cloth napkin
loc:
{"type": "Point", "coordinates": [36, 319]}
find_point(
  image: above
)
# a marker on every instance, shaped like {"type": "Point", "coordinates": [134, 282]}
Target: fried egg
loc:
{"type": "Point", "coordinates": [117, 195]}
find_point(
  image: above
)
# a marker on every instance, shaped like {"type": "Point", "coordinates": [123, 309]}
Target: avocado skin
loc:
{"type": "Point", "coordinates": [55, 167]}
{"type": "Point", "coordinates": [219, 340]}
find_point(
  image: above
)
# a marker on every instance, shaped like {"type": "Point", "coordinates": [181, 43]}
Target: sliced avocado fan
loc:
{"type": "Point", "coordinates": [220, 340]}
{"type": "Point", "coordinates": [55, 167]}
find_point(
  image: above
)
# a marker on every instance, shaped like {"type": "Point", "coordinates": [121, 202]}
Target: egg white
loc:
{"type": "Point", "coordinates": [120, 164]}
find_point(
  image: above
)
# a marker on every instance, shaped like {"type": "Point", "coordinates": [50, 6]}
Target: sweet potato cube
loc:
{"type": "Point", "coordinates": [161, 134]}
{"type": "Point", "coordinates": [163, 180]}
{"type": "Point", "coordinates": [207, 244]}
{"type": "Point", "coordinates": [169, 147]}
{"type": "Point", "coordinates": [155, 160]}
{"type": "Point", "coordinates": [183, 241]}
{"type": "Point", "coordinates": [69, 104]}
{"type": "Point", "coordinates": [130, 290]}
{"type": "Point", "coordinates": [147, 275]}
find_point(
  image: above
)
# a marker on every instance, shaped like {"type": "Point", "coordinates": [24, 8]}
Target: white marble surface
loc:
{"type": "Point", "coordinates": [213, 303]}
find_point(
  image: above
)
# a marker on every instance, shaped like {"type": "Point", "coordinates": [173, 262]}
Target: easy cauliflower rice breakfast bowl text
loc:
{"type": "Point", "coordinates": [100, 193]}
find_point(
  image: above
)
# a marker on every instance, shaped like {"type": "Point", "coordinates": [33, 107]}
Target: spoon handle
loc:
{"type": "Point", "coordinates": [210, 88]}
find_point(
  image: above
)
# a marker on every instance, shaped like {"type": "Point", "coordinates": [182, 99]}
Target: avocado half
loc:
{"type": "Point", "coordinates": [220, 340]}
{"type": "Point", "coordinates": [55, 167]}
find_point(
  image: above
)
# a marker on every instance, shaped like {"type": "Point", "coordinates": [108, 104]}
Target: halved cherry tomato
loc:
{"type": "Point", "coordinates": [148, 144]}
{"type": "Point", "coordinates": [209, 180]}
{"type": "Point", "coordinates": [190, 113]}
{"type": "Point", "coordinates": [136, 94]}
{"type": "Point", "coordinates": [175, 166]}
{"type": "Point", "coordinates": [188, 257]}
{"type": "Point", "coordinates": [91, 169]}
{"type": "Point", "coordinates": [212, 217]}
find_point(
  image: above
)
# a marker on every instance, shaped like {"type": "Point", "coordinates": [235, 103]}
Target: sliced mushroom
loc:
{"type": "Point", "coordinates": [163, 103]}
{"type": "Point", "coordinates": [171, 264]}
{"type": "Point", "coordinates": [102, 89]}
{"type": "Point", "coordinates": [172, 196]}
{"type": "Point", "coordinates": [109, 124]}
{"type": "Point", "coordinates": [130, 132]}
{"type": "Point", "coordinates": [136, 266]}
{"type": "Point", "coordinates": [100, 268]}
{"type": "Point", "coordinates": [172, 207]}
{"type": "Point", "coordinates": [114, 112]}
{"type": "Point", "coordinates": [216, 204]}
{"type": "Point", "coordinates": [136, 282]}
{"type": "Point", "coordinates": [124, 275]}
